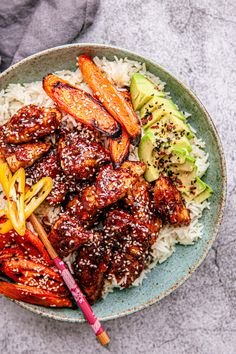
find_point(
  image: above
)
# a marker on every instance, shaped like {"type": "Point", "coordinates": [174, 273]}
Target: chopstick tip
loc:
{"type": "Point", "coordinates": [103, 338]}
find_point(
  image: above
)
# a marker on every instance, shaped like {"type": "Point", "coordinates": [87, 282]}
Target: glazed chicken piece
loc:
{"type": "Point", "coordinates": [169, 204]}
{"type": "Point", "coordinates": [91, 265]}
{"type": "Point", "coordinates": [3, 144]}
{"type": "Point", "coordinates": [67, 235]}
{"type": "Point", "coordinates": [141, 205]}
{"type": "Point", "coordinates": [24, 155]}
{"type": "Point", "coordinates": [138, 198]}
{"type": "Point", "coordinates": [30, 123]}
{"type": "Point", "coordinates": [49, 165]}
{"type": "Point", "coordinates": [80, 159]}
{"type": "Point", "coordinates": [111, 185]}
{"type": "Point", "coordinates": [131, 247]}
{"type": "Point", "coordinates": [136, 167]}
{"type": "Point", "coordinates": [85, 207]}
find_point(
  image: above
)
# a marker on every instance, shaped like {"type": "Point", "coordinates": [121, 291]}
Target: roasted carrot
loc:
{"type": "Point", "coordinates": [81, 105]}
{"type": "Point", "coordinates": [119, 148]}
{"type": "Point", "coordinates": [112, 99]}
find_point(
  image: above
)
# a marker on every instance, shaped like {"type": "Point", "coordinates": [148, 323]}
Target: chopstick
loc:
{"type": "Point", "coordinates": [71, 284]}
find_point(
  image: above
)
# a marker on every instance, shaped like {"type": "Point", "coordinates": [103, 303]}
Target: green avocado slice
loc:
{"type": "Point", "coordinates": [175, 156]}
{"type": "Point", "coordinates": [163, 105]}
{"type": "Point", "coordinates": [204, 195]}
{"type": "Point", "coordinates": [169, 121]}
{"type": "Point", "coordinates": [192, 186]}
{"type": "Point", "coordinates": [142, 90]}
{"type": "Point", "coordinates": [179, 162]}
{"type": "Point", "coordinates": [156, 162]}
{"type": "Point", "coordinates": [145, 152]}
{"type": "Point", "coordinates": [187, 166]}
{"type": "Point", "coordinates": [165, 147]}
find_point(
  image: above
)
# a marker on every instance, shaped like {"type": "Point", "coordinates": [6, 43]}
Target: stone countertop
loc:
{"type": "Point", "coordinates": [195, 41]}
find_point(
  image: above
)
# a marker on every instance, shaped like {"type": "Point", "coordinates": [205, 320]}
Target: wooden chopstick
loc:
{"type": "Point", "coordinates": [71, 284]}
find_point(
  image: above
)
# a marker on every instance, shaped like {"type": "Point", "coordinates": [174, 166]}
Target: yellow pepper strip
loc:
{"type": "Point", "coordinates": [5, 176]}
{"type": "Point", "coordinates": [16, 196]}
{"type": "Point", "coordinates": [36, 195]}
{"type": "Point", "coordinates": [5, 223]}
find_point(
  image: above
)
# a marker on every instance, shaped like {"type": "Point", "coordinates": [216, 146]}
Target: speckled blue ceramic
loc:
{"type": "Point", "coordinates": [164, 278]}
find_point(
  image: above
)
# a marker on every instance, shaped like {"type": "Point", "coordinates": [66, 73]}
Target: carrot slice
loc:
{"type": "Point", "coordinates": [112, 99]}
{"type": "Point", "coordinates": [33, 295]}
{"type": "Point", "coordinates": [81, 105]}
{"type": "Point", "coordinates": [119, 148]}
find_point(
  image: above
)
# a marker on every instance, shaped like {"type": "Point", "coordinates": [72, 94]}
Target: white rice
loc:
{"type": "Point", "coordinates": [119, 71]}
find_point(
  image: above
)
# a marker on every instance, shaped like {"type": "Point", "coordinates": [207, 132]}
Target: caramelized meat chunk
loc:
{"type": "Point", "coordinates": [138, 198]}
{"type": "Point", "coordinates": [3, 144]}
{"type": "Point", "coordinates": [22, 155]}
{"type": "Point", "coordinates": [111, 185]}
{"type": "Point", "coordinates": [67, 235]}
{"type": "Point", "coordinates": [141, 205]}
{"type": "Point", "coordinates": [25, 155]}
{"type": "Point", "coordinates": [30, 123]}
{"type": "Point", "coordinates": [131, 247]}
{"type": "Point", "coordinates": [136, 167]}
{"type": "Point", "coordinates": [91, 265]}
{"type": "Point", "coordinates": [49, 165]}
{"type": "Point", "coordinates": [80, 159]}
{"type": "Point", "coordinates": [85, 206]}
{"type": "Point", "coordinates": [169, 204]}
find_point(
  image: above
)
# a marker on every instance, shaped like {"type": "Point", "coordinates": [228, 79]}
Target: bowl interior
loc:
{"type": "Point", "coordinates": [164, 278]}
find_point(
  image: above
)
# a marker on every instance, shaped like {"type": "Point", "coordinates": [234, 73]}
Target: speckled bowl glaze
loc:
{"type": "Point", "coordinates": [164, 278]}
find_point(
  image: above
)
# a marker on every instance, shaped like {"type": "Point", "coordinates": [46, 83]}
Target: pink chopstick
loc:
{"type": "Point", "coordinates": [71, 284]}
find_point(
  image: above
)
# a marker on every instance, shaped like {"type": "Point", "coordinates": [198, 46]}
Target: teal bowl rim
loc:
{"type": "Point", "coordinates": [223, 195]}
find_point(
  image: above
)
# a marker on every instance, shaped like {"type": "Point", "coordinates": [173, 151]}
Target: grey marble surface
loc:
{"type": "Point", "coordinates": [196, 41]}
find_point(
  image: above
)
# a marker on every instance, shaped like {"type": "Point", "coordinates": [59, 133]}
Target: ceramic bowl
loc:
{"type": "Point", "coordinates": [168, 276]}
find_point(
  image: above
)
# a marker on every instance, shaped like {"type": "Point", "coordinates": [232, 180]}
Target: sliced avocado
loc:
{"type": "Point", "coordinates": [153, 118]}
{"type": "Point", "coordinates": [170, 122]}
{"type": "Point", "coordinates": [204, 195]}
{"type": "Point", "coordinates": [179, 126]}
{"type": "Point", "coordinates": [145, 152]}
{"type": "Point", "coordinates": [187, 166]}
{"type": "Point", "coordinates": [163, 105]}
{"type": "Point", "coordinates": [190, 133]}
{"type": "Point", "coordinates": [182, 143]}
{"type": "Point", "coordinates": [167, 138]}
{"type": "Point", "coordinates": [176, 160]}
{"type": "Point", "coordinates": [178, 156]}
{"type": "Point", "coordinates": [174, 156]}
{"type": "Point", "coordinates": [187, 178]}
{"type": "Point", "coordinates": [142, 90]}
{"type": "Point", "coordinates": [192, 190]}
